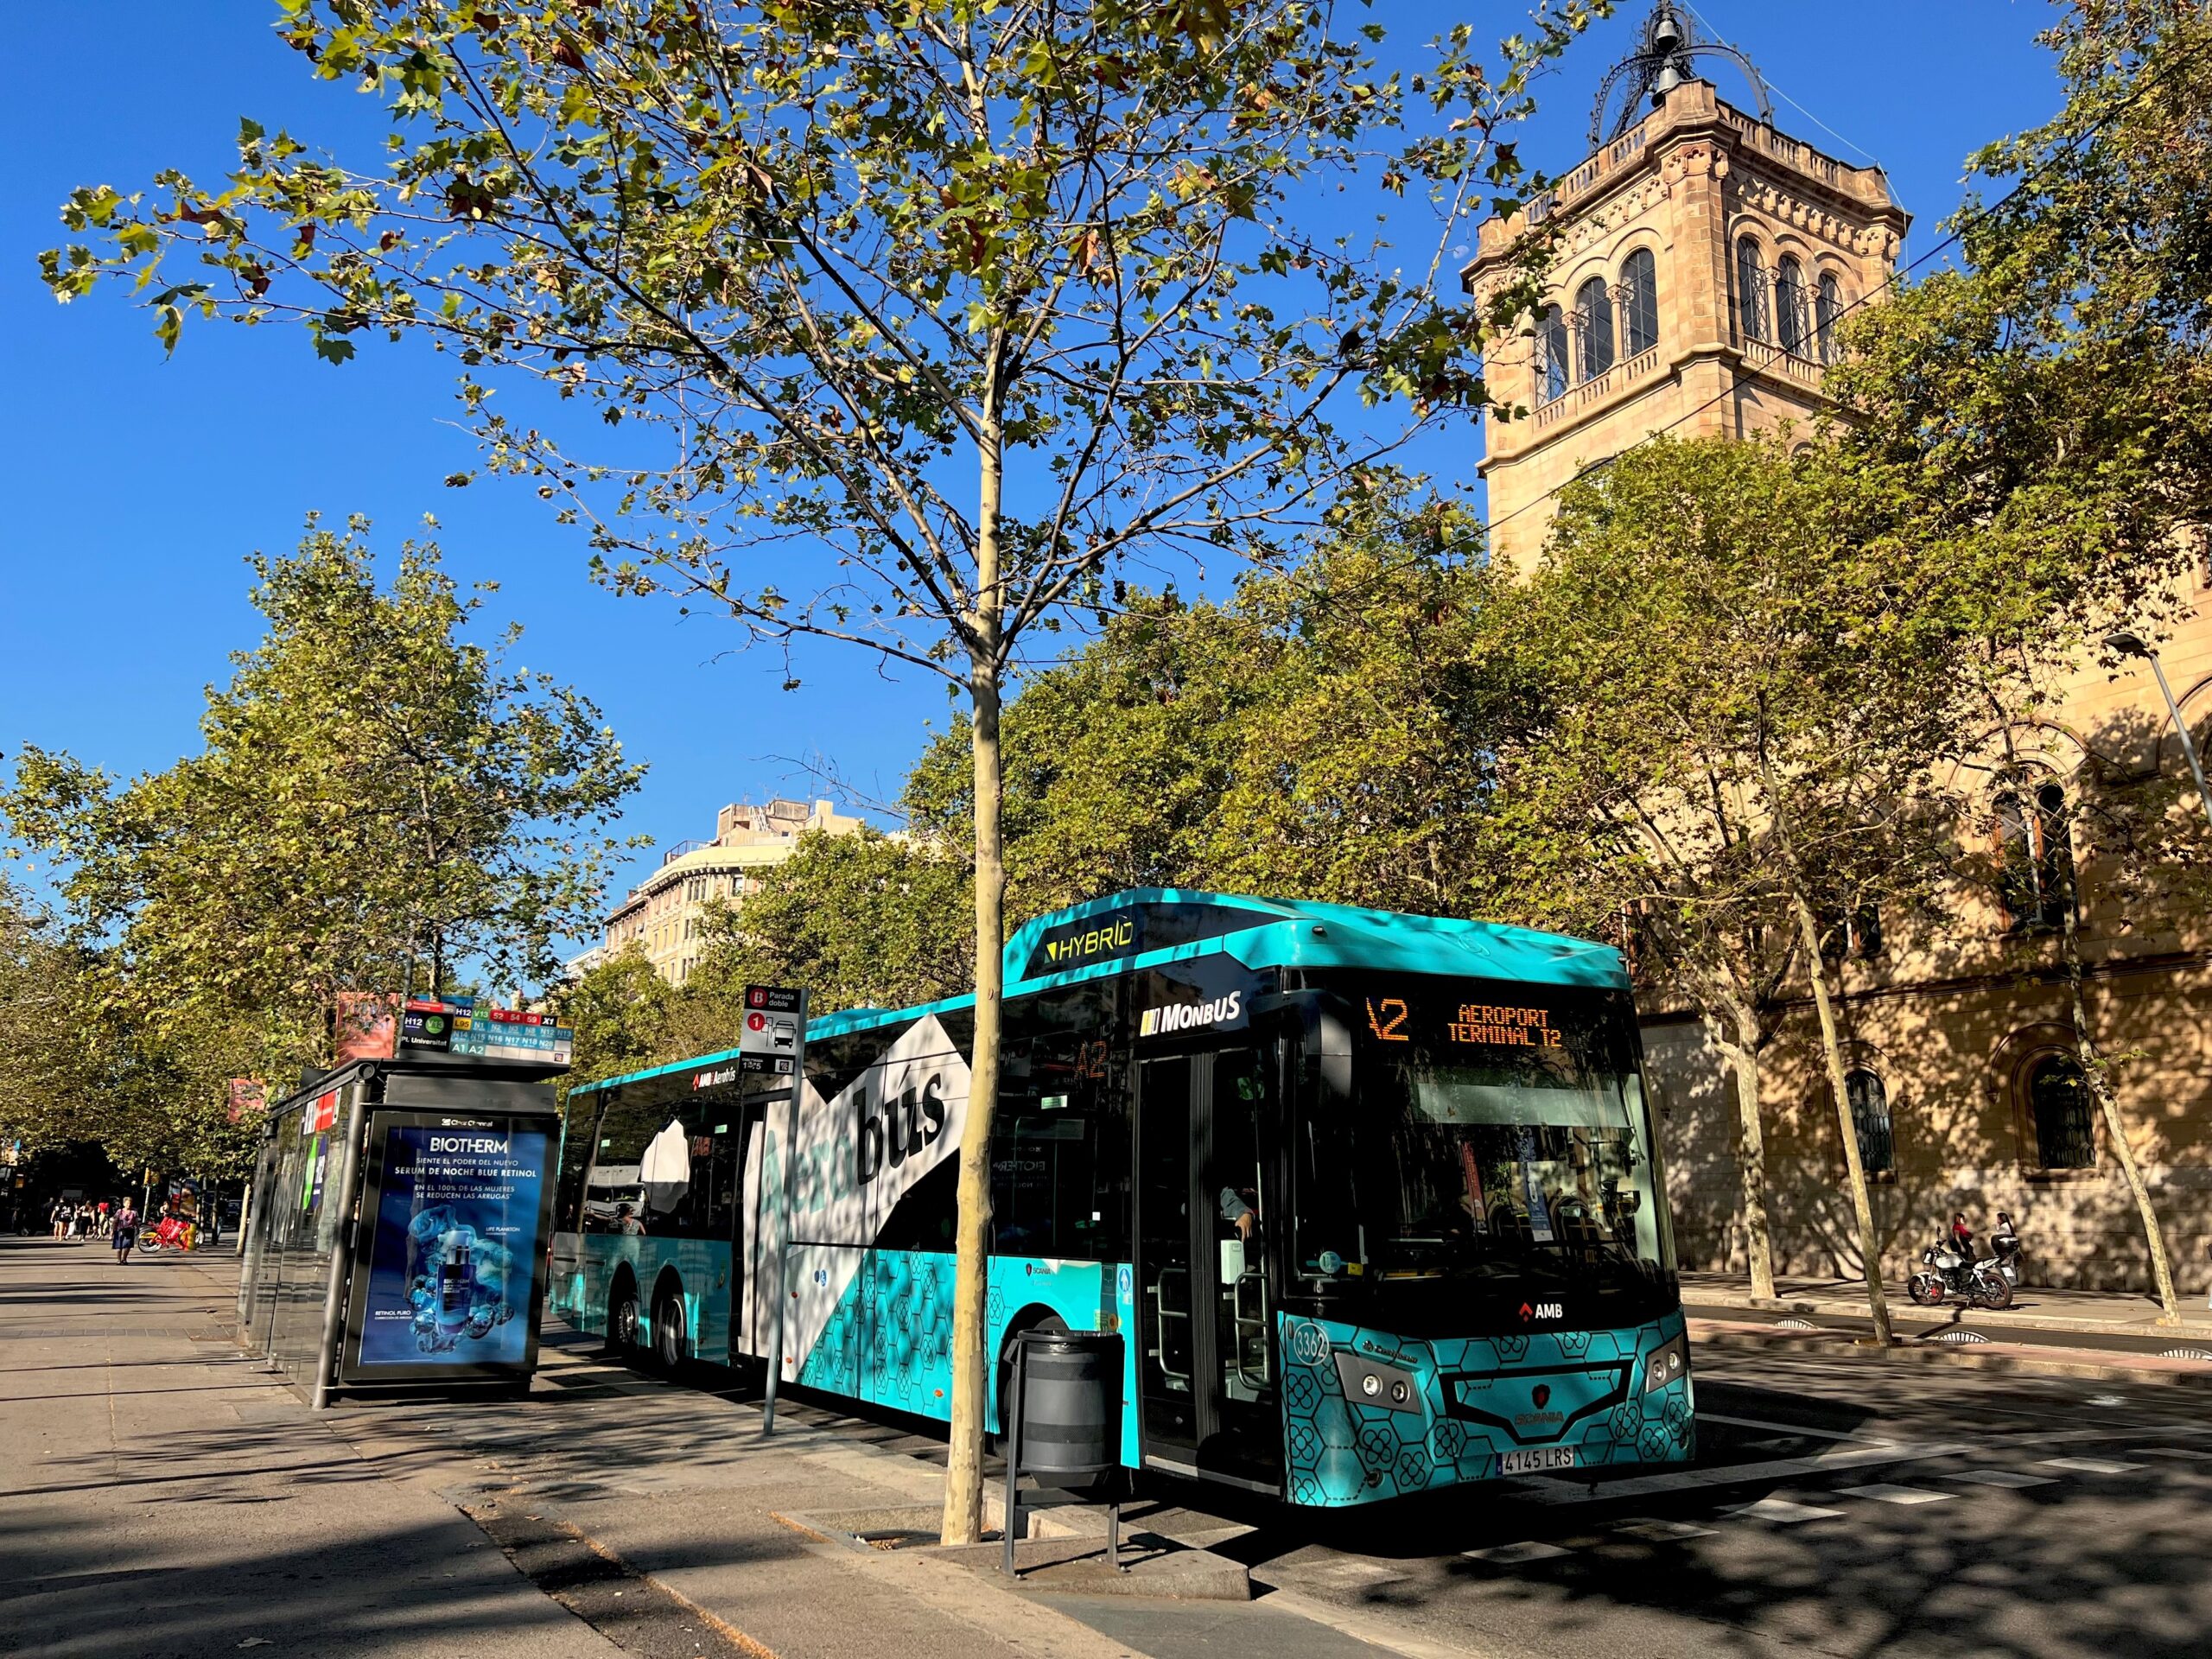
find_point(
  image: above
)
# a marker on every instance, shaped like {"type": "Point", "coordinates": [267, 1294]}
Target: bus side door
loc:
{"type": "Point", "coordinates": [1207, 1218]}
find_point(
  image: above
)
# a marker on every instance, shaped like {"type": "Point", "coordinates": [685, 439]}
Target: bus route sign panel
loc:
{"type": "Point", "coordinates": [774, 1026]}
{"type": "Point", "coordinates": [470, 1027]}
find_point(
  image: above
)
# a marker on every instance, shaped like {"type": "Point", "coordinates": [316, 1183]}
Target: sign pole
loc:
{"type": "Point", "coordinates": [772, 1040]}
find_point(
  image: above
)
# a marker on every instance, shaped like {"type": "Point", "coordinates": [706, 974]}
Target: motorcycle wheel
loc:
{"type": "Point", "coordinates": [1992, 1290]}
{"type": "Point", "coordinates": [1926, 1289]}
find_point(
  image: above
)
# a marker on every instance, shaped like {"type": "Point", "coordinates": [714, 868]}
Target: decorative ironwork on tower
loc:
{"type": "Point", "coordinates": [1666, 55]}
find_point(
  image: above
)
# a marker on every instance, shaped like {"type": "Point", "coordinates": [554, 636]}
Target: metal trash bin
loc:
{"type": "Point", "coordinates": [1064, 1422]}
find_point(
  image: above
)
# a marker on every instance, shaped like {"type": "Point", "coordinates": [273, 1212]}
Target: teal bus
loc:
{"type": "Point", "coordinates": [1373, 1200]}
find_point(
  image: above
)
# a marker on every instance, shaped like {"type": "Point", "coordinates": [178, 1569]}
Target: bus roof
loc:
{"type": "Point", "coordinates": [1144, 927]}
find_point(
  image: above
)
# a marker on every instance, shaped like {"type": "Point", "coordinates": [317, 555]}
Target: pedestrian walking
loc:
{"type": "Point", "coordinates": [105, 1219]}
{"type": "Point", "coordinates": [84, 1219]}
{"type": "Point", "coordinates": [60, 1218]}
{"type": "Point", "coordinates": [125, 1234]}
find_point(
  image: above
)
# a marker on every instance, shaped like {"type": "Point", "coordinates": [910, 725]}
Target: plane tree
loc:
{"type": "Point", "coordinates": [936, 315]}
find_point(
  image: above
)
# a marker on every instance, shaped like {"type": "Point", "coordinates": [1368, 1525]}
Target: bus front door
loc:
{"type": "Point", "coordinates": [1207, 1394]}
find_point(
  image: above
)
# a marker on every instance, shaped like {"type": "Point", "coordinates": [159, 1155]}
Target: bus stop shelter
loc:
{"type": "Point", "coordinates": [398, 1231]}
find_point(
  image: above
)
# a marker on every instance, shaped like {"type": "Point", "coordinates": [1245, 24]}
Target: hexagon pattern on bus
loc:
{"type": "Point", "coordinates": [1339, 1451]}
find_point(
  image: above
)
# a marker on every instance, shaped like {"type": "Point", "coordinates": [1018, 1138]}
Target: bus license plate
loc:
{"type": "Point", "coordinates": [1536, 1460]}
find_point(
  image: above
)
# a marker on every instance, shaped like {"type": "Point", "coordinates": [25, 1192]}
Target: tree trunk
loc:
{"type": "Point", "coordinates": [1743, 1057]}
{"type": "Point", "coordinates": [2093, 1068]}
{"type": "Point", "coordinates": [1870, 1248]}
{"type": "Point", "coordinates": [963, 1476]}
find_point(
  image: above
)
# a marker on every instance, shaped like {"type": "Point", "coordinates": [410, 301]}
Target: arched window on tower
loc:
{"type": "Point", "coordinates": [1828, 311]}
{"type": "Point", "coordinates": [1790, 306]}
{"type": "Point", "coordinates": [1751, 291]}
{"type": "Point", "coordinates": [1593, 328]}
{"type": "Point", "coordinates": [1639, 302]}
{"type": "Point", "coordinates": [2035, 856]}
{"type": "Point", "coordinates": [1551, 354]}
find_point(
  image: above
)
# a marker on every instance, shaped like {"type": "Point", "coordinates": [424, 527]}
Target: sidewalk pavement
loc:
{"type": "Point", "coordinates": [161, 1495]}
{"type": "Point", "coordinates": [2109, 1314]}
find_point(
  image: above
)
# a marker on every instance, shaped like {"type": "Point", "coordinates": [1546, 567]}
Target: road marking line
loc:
{"type": "Point", "coordinates": [1514, 1555]}
{"type": "Point", "coordinates": [2001, 1477]}
{"type": "Point", "coordinates": [1782, 1512]}
{"type": "Point", "coordinates": [1882, 1492]}
{"type": "Point", "coordinates": [2088, 1466]}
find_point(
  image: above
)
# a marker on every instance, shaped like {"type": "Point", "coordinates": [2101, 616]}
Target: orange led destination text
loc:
{"type": "Point", "coordinates": [1482, 1022]}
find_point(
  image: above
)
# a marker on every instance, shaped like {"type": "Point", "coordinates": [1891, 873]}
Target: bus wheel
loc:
{"type": "Point", "coordinates": [668, 1334]}
{"type": "Point", "coordinates": [622, 1321]}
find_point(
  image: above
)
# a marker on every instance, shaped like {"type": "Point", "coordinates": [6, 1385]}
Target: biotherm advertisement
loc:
{"type": "Point", "coordinates": [448, 1283]}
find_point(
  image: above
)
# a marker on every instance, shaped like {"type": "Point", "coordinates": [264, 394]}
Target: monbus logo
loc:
{"type": "Point", "coordinates": [1184, 1016]}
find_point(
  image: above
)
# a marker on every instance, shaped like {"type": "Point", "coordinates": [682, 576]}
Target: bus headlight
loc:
{"type": "Point", "coordinates": [1670, 1362]}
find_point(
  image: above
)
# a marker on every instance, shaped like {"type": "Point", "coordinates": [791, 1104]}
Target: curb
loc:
{"type": "Point", "coordinates": [2017, 1360]}
{"type": "Point", "coordinates": [1984, 1319]}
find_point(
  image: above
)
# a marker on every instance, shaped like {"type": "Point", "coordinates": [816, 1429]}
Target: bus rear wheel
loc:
{"type": "Point", "coordinates": [669, 1346]}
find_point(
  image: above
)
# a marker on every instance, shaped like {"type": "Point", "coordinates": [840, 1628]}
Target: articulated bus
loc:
{"type": "Point", "coordinates": [1373, 1200]}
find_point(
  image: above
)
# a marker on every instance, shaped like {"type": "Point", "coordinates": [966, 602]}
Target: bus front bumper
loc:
{"type": "Point", "coordinates": [1368, 1416]}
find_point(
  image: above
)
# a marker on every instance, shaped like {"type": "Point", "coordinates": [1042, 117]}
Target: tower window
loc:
{"type": "Point", "coordinates": [1639, 302]}
{"type": "Point", "coordinates": [1790, 305]}
{"type": "Point", "coordinates": [2058, 1095]}
{"type": "Point", "coordinates": [1551, 353]}
{"type": "Point", "coordinates": [2035, 858]}
{"type": "Point", "coordinates": [1593, 326]}
{"type": "Point", "coordinates": [1870, 1116]}
{"type": "Point", "coordinates": [1751, 291]}
{"type": "Point", "coordinates": [1828, 311]}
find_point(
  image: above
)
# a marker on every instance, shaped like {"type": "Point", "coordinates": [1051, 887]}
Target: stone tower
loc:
{"type": "Point", "coordinates": [1699, 260]}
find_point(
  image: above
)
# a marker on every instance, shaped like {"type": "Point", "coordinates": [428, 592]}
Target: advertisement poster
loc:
{"type": "Point", "coordinates": [451, 1263]}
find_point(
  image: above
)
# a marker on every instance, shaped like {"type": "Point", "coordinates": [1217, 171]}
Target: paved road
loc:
{"type": "Point", "coordinates": [160, 1496]}
{"type": "Point", "coordinates": [1839, 1505]}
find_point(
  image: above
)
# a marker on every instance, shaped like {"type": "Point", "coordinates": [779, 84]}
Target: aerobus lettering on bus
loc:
{"type": "Point", "coordinates": [913, 1122]}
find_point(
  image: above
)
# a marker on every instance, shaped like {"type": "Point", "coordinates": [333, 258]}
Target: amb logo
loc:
{"type": "Point", "coordinates": [907, 1123]}
{"type": "Point", "coordinates": [1542, 1311]}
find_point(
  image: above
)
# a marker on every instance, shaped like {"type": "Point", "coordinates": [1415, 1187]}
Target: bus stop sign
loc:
{"type": "Point", "coordinates": [774, 1026]}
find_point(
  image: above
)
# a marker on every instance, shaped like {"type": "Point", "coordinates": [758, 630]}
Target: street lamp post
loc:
{"type": "Point", "coordinates": [2129, 645]}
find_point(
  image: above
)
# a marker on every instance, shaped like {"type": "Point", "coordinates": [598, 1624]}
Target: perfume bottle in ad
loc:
{"type": "Point", "coordinates": [457, 1279]}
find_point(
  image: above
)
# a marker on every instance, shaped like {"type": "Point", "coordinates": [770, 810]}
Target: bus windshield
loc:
{"type": "Point", "coordinates": [1498, 1152]}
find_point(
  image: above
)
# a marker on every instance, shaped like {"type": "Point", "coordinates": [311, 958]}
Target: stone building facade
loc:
{"type": "Point", "coordinates": [1700, 260]}
{"type": "Point", "coordinates": [665, 914]}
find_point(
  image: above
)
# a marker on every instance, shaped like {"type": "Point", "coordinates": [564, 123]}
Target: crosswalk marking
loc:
{"type": "Point", "coordinates": [2001, 1477]}
{"type": "Point", "coordinates": [1665, 1532]}
{"type": "Point", "coordinates": [1782, 1512]}
{"type": "Point", "coordinates": [1514, 1555]}
{"type": "Point", "coordinates": [1882, 1492]}
{"type": "Point", "coordinates": [1794, 1429]}
{"type": "Point", "coordinates": [1567, 1489]}
{"type": "Point", "coordinates": [2088, 1465]}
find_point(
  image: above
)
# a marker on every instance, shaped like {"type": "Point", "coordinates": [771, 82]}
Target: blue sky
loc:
{"type": "Point", "coordinates": [135, 486]}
